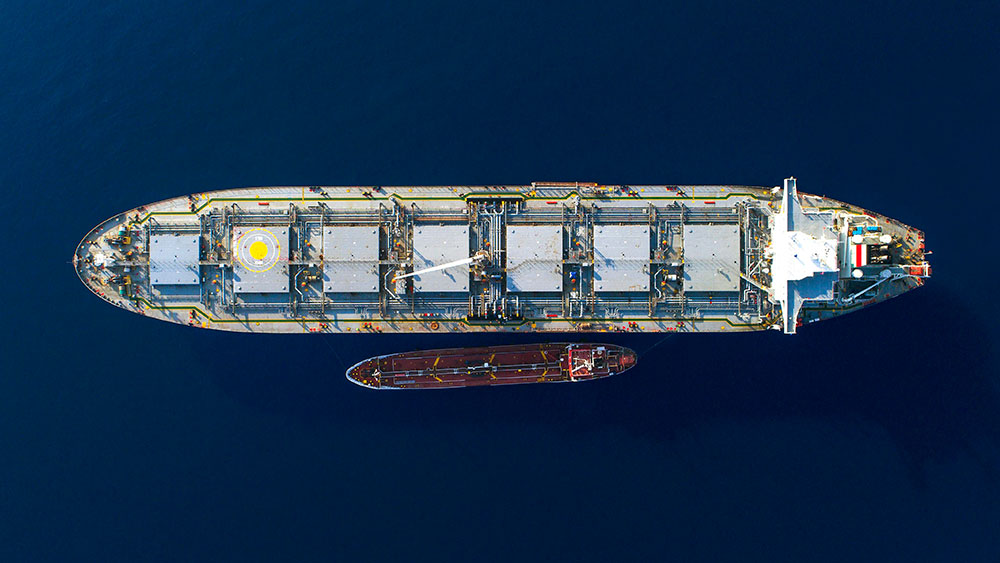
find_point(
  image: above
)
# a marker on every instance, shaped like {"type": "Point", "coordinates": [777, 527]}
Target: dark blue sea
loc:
{"type": "Point", "coordinates": [874, 437]}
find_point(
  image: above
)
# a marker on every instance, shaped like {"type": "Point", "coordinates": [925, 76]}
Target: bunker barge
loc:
{"type": "Point", "coordinates": [492, 365]}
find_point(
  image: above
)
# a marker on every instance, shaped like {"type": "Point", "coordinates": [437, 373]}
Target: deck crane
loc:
{"type": "Point", "coordinates": [476, 258]}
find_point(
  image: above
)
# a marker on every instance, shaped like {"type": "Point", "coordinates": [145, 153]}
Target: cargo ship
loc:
{"type": "Point", "coordinates": [545, 257]}
{"type": "Point", "coordinates": [492, 365]}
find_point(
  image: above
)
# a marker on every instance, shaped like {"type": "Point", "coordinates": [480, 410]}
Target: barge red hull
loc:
{"type": "Point", "coordinates": [492, 365]}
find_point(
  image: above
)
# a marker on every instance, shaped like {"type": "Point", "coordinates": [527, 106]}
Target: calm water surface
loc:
{"type": "Point", "coordinates": [872, 437]}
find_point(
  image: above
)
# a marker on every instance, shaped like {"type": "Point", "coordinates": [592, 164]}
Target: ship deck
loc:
{"type": "Point", "coordinates": [492, 365]}
{"type": "Point", "coordinates": [562, 257]}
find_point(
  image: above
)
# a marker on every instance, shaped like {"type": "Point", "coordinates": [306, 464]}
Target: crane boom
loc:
{"type": "Point", "coordinates": [479, 256]}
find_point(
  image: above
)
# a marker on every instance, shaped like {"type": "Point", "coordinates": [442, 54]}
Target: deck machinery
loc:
{"type": "Point", "coordinates": [560, 257]}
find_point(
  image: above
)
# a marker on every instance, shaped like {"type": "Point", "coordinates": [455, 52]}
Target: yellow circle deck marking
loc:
{"type": "Point", "coordinates": [258, 250]}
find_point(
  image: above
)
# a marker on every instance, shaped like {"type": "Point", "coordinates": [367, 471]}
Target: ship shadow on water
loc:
{"type": "Point", "coordinates": [919, 368]}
